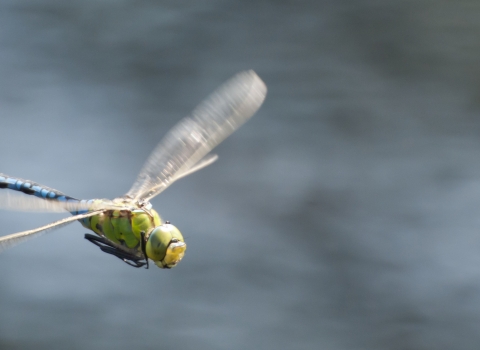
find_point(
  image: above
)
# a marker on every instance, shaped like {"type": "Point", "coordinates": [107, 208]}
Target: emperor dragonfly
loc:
{"type": "Point", "coordinates": [128, 227]}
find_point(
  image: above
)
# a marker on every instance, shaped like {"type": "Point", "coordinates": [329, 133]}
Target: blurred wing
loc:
{"type": "Point", "coordinates": [13, 239]}
{"type": "Point", "coordinates": [195, 136]}
{"type": "Point", "coordinates": [11, 200]}
{"type": "Point", "coordinates": [206, 161]}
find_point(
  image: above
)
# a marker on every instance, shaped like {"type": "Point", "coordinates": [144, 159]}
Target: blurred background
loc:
{"type": "Point", "coordinates": [344, 215]}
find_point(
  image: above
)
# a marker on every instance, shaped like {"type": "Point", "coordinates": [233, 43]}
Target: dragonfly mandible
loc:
{"type": "Point", "coordinates": [128, 227]}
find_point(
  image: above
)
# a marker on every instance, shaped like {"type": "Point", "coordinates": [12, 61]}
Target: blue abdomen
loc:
{"type": "Point", "coordinates": [37, 190]}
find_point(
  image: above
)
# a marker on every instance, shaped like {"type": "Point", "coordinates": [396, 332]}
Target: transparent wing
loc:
{"type": "Point", "coordinates": [13, 239]}
{"type": "Point", "coordinates": [11, 200]}
{"type": "Point", "coordinates": [195, 136]}
{"type": "Point", "coordinates": [206, 161]}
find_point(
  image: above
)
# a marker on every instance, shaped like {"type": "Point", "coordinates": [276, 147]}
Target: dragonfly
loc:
{"type": "Point", "coordinates": [128, 227]}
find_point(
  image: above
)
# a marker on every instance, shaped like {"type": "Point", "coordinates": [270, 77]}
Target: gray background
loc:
{"type": "Point", "coordinates": [344, 215]}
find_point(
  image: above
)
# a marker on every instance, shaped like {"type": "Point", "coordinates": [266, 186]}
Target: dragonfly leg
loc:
{"type": "Point", "coordinates": [144, 245]}
{"type": "Point", "coordinates": [108, 247]}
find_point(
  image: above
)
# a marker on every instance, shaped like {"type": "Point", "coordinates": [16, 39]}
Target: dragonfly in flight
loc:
{"type": "Point", "coordinates": [128, 227]}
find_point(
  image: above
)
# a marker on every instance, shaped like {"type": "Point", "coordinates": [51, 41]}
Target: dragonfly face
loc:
{"type": "Point", "coordinates": [165, 246]}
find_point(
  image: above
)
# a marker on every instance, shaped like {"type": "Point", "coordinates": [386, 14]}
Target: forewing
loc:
{"type": "Point", "coordinates": [15, 238]}
{"type": "Point", "coordinates": [193, 137]}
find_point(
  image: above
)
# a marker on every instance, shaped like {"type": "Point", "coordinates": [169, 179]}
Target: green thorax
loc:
{"type": "Point", "coordinates": [124, 227]}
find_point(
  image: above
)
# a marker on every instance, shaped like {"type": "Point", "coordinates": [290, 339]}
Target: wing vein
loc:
{"type": "Point", "coordinates": [195, 136]}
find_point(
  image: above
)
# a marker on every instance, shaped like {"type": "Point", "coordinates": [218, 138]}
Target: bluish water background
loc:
{"type": "Point", "coordinates": [344, 215]}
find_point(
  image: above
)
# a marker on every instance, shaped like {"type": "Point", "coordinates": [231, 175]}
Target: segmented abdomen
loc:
{"type": "Point", "coordinates": [72, 205]}
{"type": "Point", "coordinates": [32, 188]}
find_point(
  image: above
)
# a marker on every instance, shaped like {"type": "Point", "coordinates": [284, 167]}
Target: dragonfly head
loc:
{"type": "Point", "coordinates": [165, 246]}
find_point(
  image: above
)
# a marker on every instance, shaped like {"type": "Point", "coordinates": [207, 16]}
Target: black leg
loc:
{"type": "Point", "coordinates": [108, 247]}
{"type": "Point", "coordinates": [144, 245]}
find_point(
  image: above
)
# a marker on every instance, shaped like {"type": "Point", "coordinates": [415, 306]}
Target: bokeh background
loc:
{"type": "Point", "coordinates": [344, 215]}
